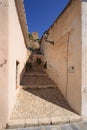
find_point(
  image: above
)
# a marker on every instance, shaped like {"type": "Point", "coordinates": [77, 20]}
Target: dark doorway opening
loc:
{"type": "Point", "coordinates": [17, 74]}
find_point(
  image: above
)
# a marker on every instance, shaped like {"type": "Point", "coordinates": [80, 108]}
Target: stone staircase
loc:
{"type": "Point", "coordinates": [37, 79]}
{"type": "Point", "coordinates": [40, 102]}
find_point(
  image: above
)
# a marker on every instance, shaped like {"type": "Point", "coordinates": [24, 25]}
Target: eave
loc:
{"type": "Point", "coordinates": [22, 19]}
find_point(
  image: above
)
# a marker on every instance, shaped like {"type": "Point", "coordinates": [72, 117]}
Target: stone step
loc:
{"type": "Point", "coordinates": [37, 81]}
{"type": "Point", "coordinates": [37, 86]}
{"type": "Point", "coordinates": [35, 73]}
{"type": "Point", "coordinates": [36, 67]}
{"type": "Point", "coordinates": [35, 122]}
{"type": "Point", "coordinates": [71, 126]}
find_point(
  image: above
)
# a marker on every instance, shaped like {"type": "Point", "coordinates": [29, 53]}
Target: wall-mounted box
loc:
{"type": "Point", "coordinates": [71, 69]}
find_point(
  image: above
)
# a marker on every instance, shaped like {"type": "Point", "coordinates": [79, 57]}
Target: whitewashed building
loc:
{"type": "Point", "coordinates": [13, 53]}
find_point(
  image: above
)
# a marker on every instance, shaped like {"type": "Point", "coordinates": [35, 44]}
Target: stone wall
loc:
{"type": "Point", "coordinates": [35, 35]}
{"type": "Point", "coordinates": [64, 58]}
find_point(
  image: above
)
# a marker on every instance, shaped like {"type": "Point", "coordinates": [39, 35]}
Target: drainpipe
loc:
{"type": "Point", "coordinates": [67, 64]}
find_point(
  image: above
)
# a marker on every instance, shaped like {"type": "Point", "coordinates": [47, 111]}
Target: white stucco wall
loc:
{"type": "Point", "coordinates": [17, 51]}
{"type": "Point", "coordinates": [84, 57]}
{"type": "Point", "coordinates": [64, 58]}
{"type": "Point", "coordinates": [12, 49]}
{"type": "Point", "coordinates": [3, 62]}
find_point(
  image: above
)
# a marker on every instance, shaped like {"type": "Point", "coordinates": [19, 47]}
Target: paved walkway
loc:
{"type": "Point", "coordinates": [40, 102]}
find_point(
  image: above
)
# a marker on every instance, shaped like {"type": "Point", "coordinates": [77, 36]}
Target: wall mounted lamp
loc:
{"type": "Point", "coordinates": [45, 36]}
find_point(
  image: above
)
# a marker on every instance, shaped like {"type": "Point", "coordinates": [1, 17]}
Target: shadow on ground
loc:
{"type": "Point", "coordinates": [52, 95]}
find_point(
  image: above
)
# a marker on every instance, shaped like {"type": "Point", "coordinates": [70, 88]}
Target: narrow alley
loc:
{"type": "Point", "coordinates": [43, 66]}
{"type": "Point", "coordinates": [40, 102]}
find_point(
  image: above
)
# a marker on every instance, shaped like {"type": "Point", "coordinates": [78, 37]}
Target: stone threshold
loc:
{"type": "Point", "coordinates": [35, 122]}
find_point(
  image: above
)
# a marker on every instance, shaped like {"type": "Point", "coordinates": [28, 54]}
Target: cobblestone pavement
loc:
{"type": "Point", "coordinates": [73, 126]}
{"type": "Point", "coordinates": [39, 103]}
{"type": "Point", "coordinates": [41, 106]}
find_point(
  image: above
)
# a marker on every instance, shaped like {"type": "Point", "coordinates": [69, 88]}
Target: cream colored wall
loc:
{"type": "Point", "coordinates": [84, 57]}
{"type": "Point", "coordinates": [3, 62]}
{"type": "Point", "coordinates": [74, 60]}
{"type": "Point", "coordinates": [66, 54]}
{"type": "Point", "coordinates": [17, 52]}
{"type": "Point", "coordinates": [12, 49]}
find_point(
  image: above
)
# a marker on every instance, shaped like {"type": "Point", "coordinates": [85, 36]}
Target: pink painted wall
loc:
{"type": "Point", "coordinates": [17, 52]}
{"type": "Point", "coordinates": [3, 62]}
{"type": "Point", "coordinates": [12, 49]}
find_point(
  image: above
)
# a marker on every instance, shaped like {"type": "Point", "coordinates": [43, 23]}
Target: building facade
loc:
{"type": "Point", "coordinates": [67, 58]}
{"type": "Point", "coordinates": [13, 53]}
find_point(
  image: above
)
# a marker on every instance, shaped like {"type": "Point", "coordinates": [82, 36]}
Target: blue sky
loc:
{"type": "Point", "coordinates": [42, 13]}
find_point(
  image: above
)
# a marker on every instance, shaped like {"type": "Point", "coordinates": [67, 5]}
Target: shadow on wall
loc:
{"type": "Point", "coordinates": [19, 76]}
{"type": "Point", "coordinates": [22, 73]}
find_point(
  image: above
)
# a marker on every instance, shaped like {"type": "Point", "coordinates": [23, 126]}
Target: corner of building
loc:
{"type": "Point", "coordinates": [4, 5]}
{"type": "Point", "coordinates": [84, 56]}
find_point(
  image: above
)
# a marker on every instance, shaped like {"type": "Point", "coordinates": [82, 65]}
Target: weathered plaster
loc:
{"type": "Point", "coordinates": [13, 42]}
{"type": "Point", "coordinates": [64, 58]}
{"type": "Point", "coordinates": [3, 62]}
{"type": "Point", "coordinates": [84, 57]}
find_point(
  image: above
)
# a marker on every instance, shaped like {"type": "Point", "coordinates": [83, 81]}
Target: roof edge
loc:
{"type": "Point", "coordinates": [22, 19]}
{"type": "Point", "coordinates": [68, 4]}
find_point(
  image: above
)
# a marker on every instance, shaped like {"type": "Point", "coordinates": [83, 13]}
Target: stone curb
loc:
{"type": "Point", "coordinates": [24, 123]}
